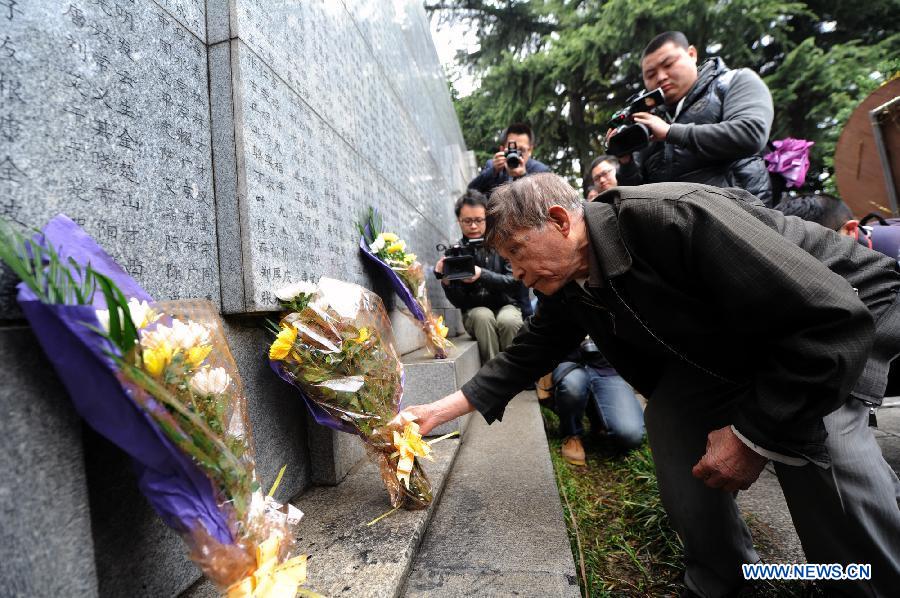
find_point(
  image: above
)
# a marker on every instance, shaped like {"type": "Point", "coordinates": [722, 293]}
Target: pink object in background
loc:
{"type": "Point", "coordinates": [790, 159]}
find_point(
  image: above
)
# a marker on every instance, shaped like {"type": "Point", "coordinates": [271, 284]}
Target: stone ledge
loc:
{"type": "Point", "coordinates": [499, 529]}
{"type": "Point", "coordinates": [429, 379]}
{"type": "Point", "coordinates": [347, 556]}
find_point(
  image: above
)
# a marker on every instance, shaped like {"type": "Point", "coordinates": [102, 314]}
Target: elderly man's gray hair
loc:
{"type": "Point", "coordinates": [525, 203]}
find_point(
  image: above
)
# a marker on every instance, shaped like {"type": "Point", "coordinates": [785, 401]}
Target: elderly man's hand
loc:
{"type": "Point", "coordinates": [659, 129]}
{"type": "Point", "coordinates": [728, 464]}
{"type": "Point", "coordinates": [431, 415]}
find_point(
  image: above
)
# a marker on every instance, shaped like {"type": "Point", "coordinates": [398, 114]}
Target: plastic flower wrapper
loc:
{"type": "Point", "coordinates": [159, 381]}
{"type": "Point", "coordinates": [407, 277]}
{"type": "Point", "coordinates": [790, 159]}
{"type": "Point", "coordinates": [334, 343]}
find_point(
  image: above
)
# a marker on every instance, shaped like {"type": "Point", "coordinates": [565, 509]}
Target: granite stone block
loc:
{"type": "Point", "coordinates": [46, 547]}
{"type": "Point", "coordinates": [499, 529]}
{"type": "Point", "coordinates": [277, 414]}
{"type": "Point", "coordinates": [429, 379]}
{"type": "Point", "coordinates": [310, 159]}
{"type": "Point", "coordinates": [136, 553]}
{"type": "Point", "coordinates": [105, 116]}
{"type": "Point", "coordinates": [408, 334]}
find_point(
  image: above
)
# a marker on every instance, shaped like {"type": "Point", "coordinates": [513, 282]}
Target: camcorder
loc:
{"type": "Point", "coordinates": [512, 155]}
{"type": "Point", "coordinates": [459, 260]}
{"type": "Point", "coordinates": [630, 136]}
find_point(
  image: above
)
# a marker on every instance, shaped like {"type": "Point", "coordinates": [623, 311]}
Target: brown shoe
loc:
{"type": "Point", "coordinates": [572, 450]}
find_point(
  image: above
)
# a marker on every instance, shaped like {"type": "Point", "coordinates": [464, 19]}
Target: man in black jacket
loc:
{"type": "Point", "coordinates": [716, 124]}
{"type": "Point", "coordinates": [754, 337]}
{"type": "Point", "coordinates": [493, 301]}
{"type": "Point", "coordinates": [499, 170]}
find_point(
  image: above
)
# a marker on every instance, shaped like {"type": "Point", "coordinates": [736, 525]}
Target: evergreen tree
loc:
{"type": "Point", "coordinates": [565, 66]}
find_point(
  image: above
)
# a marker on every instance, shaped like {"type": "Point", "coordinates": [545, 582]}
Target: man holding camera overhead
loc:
{"type": "Point", "coordinates": [513, 161]}
{"type": "Point", "coordinates": [711, 129]}
{"type": "Point", "coordinates": [480, 282]}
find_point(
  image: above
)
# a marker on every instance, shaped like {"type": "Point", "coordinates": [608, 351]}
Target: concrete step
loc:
{"type": "Point", "coordinates": [347, 556]}
{"type": "Point", "coordinates": [499, 529]}
{"type": "Point", "coordinates": [429, 379]}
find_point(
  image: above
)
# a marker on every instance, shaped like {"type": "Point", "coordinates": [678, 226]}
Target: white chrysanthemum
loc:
{"type": "Point", "coordinates": [213, 381]}
{"type": "Point", "coordinates": [291, 291]}
{"type": "Point", "coordinates": [378, 244]}
{"type": "Point", "coordinates": [178, 336]}
{"type": "Point", "coordinates": [141, 314]}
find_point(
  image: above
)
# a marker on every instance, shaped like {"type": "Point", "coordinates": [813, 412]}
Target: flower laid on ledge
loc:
{"type": "Point", "coordinates": [158, 380]}
{"type": "Point", "coordinates": [407, 276]}
{"type": "Point", "coordinates": [334, 344]}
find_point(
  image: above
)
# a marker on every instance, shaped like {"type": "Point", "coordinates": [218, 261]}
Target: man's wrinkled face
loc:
{"type": "Point", "coordinates": [472, 222]}
{"type": "Point", "coordinates": [523, 144]}
{"type": "Point", "coordinates": [542, 258]}
{"type": "Point", "coordinates": [672, 68]}
{"type": "Point", "coordinates": [604, 176]}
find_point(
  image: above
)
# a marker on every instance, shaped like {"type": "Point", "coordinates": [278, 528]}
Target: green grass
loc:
{"type": "Point", "coordinates": [626, 543]}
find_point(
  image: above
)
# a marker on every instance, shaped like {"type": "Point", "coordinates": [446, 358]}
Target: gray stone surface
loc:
{"type": "Point", "coordinates": [499, 528]}
{"type": "Point", "coordinates": [348, 557]}
{"type": "Point", "coordinates": [774, 535]}
{"type": "Point", "coordinates": [332, 454]}
{"type": "Point", "coordinates": [429, 379]}
{"type": "Point", "coordinates": [136, 554]}
{"type": "Point", "coordinates": [408, 335]}
{"type": "Point", "coordinates": [104, 115]}
{"type": "Point", "coordinates": [45, 543]}
{"type": "Point", "coordinates": [277, 413]}
{"type": "Point", "coordinates": [310, 116]}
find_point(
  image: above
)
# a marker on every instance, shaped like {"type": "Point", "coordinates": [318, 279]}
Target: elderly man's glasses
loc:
{"type": "Point", "coordinates": [471, 221]}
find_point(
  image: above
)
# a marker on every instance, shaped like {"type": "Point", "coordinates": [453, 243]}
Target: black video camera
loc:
{"type": "Point", "coordinates": [459, 260]}
{"type": "Point", "coordinates": [512, 155]}
{"type": "Point", "coordinates": [630, 136]}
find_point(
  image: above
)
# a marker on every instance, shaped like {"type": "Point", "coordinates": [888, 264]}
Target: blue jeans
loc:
{"type": "Point", "coordinates": [610, 404]}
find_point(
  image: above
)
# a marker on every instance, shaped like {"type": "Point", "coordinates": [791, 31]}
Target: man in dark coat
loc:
{"type": "Point", "coordinates": [716, 124]}
{"type": "Point", "coordinates": [754, 337]}
{"type": "Point", "coordinates": [499, 170]}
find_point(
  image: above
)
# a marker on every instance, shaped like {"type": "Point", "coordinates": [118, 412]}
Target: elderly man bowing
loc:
{"type": "Point", "coordinates": [754, 336]}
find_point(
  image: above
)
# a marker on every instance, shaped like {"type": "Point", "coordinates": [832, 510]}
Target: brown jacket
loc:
{"type": "Point", "coordinates": [778, 306]}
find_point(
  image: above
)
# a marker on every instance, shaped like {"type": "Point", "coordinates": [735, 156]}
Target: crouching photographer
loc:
{"type": "Point", "coordinates": [480, 282]}
{"type": "Point", "coordinates": [585, 383]}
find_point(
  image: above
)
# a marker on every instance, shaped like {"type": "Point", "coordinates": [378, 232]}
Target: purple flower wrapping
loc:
{"type": "Point", "coordinates": [181, 494]}
{"type": "Point", "coordinates": [399, 287]}
{"type": "Point", "coordinates": [790, 159]}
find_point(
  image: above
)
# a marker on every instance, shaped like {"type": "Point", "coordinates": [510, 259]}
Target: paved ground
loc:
{"type": "Point", "coordinates": [764, 502]}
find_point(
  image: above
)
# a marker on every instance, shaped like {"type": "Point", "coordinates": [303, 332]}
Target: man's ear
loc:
{"type": "Point", "coordinates": [559, 218]}
{"type": "Point", "coordinates": [692, 52]}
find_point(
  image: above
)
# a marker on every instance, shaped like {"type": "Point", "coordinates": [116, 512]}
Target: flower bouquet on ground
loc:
{"type": "Point", "coordinates": [159, 381]}
{"type": "Point", "coordinates": [334, 343]}
{"type": "Point", "coordinates": [407, 276]}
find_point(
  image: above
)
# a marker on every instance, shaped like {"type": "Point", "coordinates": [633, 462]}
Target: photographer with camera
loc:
{"type": "Point", "coordinates": [480, 282]}
{"type": "Point", "coordinates": [513, 161]}
{"type": "Point", "coordinates": [701, 126]}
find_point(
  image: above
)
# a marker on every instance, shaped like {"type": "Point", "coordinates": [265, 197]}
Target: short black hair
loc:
{"type": "Point", "coordinates": [675, 37]}
{"type": "Point", "coordinates": [471, 198]}
{"type": "Point", "coordinates": [604, 158]}
{"type": "Point", "coordinates": [821, 208]}
{"type": "Point", "coordinates": [517, 129]}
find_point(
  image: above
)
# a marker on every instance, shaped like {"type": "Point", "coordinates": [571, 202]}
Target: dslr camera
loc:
{"type": "Point", "coordinates": [630, 136]}
{"type": "Point", "coordinates": [512, 155]}
{"type": "Point", "coordinates": [459, 260]}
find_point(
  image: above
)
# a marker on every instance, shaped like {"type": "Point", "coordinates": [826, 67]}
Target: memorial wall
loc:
{"type": "Point", "coordinates": [216, 149]}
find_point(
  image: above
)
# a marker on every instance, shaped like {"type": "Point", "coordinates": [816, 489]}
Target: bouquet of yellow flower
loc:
{"type": "Point", "coordinates": [159, 381]}
{"type": "Point", "coordinates": [334, 344]}
{"type": "Point", "coordinates": [407, 277]}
